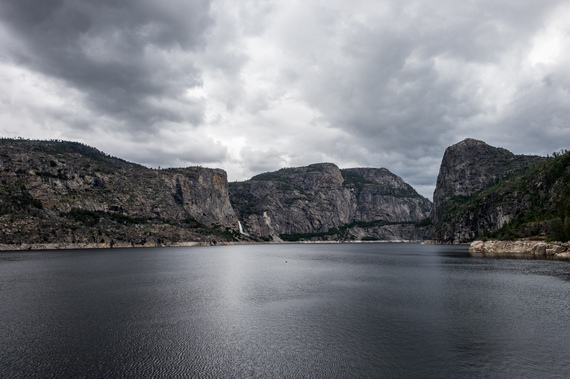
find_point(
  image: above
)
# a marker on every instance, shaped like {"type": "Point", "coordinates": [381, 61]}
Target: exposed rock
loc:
{"type": "Point", "coordinates": [392, 232]}
{"type": "Point", "coordinates": [104, 245]}
{"type": "Point", "coordinates": [64, 193]}
{"type": "Point", "coordinates": [469, 168]}
{"type": "Point", "coordinates": [320, 198]}
{"type": "Point", "coordinates": [68, 193]}
{"type": "Point", "coordinates": [519, 249]}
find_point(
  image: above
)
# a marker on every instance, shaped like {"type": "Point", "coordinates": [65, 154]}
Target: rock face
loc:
{"type": "Point", "coordinates": [487, 192]}
{"type": "Point", "coordinates": [519, 249]}
{"type": "Point", "coordinates": [468, 169]}
{"type": "Point", "coordinates": [68, 194]}
{"type": "Point", "coordinates": [319, 199]}
{"type": "Point", "coordinates": [64, 192]}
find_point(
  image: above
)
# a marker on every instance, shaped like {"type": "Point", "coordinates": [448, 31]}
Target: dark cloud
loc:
{"type": "Point", "coordinates": [538, 116]}
{"type": "Point", "coordinates": [256, 85]}
{"type": "Point", "coordinates": [126, 57]}
{"type": "Point", "coordinates": [423, 77]}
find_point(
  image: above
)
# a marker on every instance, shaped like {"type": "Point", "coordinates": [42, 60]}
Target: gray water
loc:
{"type": "Point", "coordinates": [313, 311]}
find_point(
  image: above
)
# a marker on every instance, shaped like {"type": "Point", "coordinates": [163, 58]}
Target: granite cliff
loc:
{"type": "Point", "coordinates": [488, 192]}
{"type": "Point", "coordinates": [322, 202]}
{"type": "Point", "coordinates": [66, 193]}
{"type": "Point", "coordinates": [56, 194]}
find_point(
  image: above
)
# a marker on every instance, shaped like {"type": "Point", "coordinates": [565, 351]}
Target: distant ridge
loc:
{"type": "Point", "coordinates": [60, 193]}
{"type": "Point", "coordinates": [322, 202]}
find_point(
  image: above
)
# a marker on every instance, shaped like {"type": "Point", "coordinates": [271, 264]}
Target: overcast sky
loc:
{"type": "Point", "coordinates": [256, 85]}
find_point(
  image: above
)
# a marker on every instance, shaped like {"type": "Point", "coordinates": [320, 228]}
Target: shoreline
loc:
{"type": "Point", "coordinates": [518, 249]}
{"type": "Point", "coordinates": [89, 246]}
{"type": "Point", "coordinates": [523, 248]}
{"type": "Point", "coordinates": [92, 246]}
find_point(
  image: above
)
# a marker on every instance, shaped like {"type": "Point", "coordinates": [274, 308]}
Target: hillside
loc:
{"type": "Point", "coordinates": [56, 192]}
{"type": "Point", "coordinates": [488, 192]}
{"type": "Point", "coordinates": [322, 202]}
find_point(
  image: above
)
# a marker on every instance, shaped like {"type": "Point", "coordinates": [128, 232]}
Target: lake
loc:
{"type": "Point", "coordinates": [290, 310]}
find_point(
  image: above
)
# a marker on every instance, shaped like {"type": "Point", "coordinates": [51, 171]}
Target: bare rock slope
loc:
{"type": "Point", "coordinates": [68, 193]}
{"type": "Point", "coordinates": [322, 202]}
{"type": "Point", "coordinates": [488, 192]}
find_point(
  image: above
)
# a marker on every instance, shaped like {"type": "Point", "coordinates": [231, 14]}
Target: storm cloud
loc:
{"type": "Point", "coordinates": [257, 85]}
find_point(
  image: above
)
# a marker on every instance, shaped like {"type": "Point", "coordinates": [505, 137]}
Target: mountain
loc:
{"type": "Point", "coordinates": [56, 193]}
{"type": "Point", "coordinates": [322, 202]}
{"type": "Point", "coordinates": [488, 192]}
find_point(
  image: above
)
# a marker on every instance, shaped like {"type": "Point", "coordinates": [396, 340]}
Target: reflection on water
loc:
{"type": "Point", "coordinates": [338, 310]}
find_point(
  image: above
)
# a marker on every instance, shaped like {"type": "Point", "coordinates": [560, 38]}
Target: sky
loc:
{"type": "Point", "coordinates": [252, 86]}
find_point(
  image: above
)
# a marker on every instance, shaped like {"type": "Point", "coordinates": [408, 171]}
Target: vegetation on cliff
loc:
{"type": "Point", "coordinates": [66, 192]}
{"type": "Point", "coordinates": [405, 231]}
{"type": "Point", "coordinates": [504, 196]}
{"type": "Point", "coordinates": [546, 191]}
{"type": "Point", "coordinates": [69, 193]}
{"type": "Point", "coordinates": [323, 202]}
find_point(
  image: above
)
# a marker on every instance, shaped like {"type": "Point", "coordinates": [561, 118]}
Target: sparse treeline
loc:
{"type": "Point", "coordinates": [71, 146]}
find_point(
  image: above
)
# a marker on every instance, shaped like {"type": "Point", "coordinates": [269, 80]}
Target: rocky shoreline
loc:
{"type": "Point", "coordinates": [82, 246]}
{"type": "Point", "coordinates": [524, 248]}
{"type": "Point", "coordinates": [121, 245]}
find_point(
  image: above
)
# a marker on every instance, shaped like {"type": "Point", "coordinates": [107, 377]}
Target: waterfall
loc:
{"type": "Point", "coordinates": [241, 229]}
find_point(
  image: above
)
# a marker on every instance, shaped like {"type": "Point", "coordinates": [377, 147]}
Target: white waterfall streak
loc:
{"type": "Point", "coordinates": [241, 229]}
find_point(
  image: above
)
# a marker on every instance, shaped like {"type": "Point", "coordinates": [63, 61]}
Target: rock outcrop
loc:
{"type": "Point", "coordinates": [488, 192]}
{"type": "Point", "coordinates": [56, 193]}
{"type": "Point", "coordinates": [65, 192]}
{"type": "Point", "coordinates": [321, 201]}
{"type": "Point", "coordinates": [520, 249]}
{"type": "Point", "coordinates": [462, 210]}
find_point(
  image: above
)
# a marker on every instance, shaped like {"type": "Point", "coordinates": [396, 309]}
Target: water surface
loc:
{"type": "Point", "coordinates": [314, 311]}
